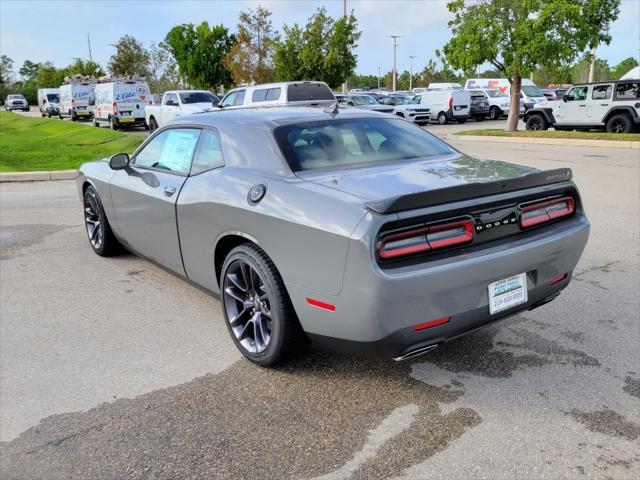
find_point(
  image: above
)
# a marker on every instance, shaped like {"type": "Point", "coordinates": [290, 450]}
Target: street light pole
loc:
{"type": "Point", "coordinates": [394, 73]}
{"type": "Point", "coordinates": [411, 73]}
{"type": "Point", "coordinates": [344, 15]}
{"type": "Point", "coordinates": [378, 78]}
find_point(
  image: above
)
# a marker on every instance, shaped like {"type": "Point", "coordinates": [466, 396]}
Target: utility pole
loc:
{"type": "Point", "coordinates": [411, 73]}
{"type": "Point", "coordinates": [344, 15]}
{"type": "Point", "coordinates": [378, 78]}
{"type": "Point", "coordinates": [394, 73]}
{"type": "Point", "coordinates": [89, 43]}
{"type": "Point", "coordinates": [592, 67]}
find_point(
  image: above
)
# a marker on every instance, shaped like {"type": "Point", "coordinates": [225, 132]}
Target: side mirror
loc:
{"type": "Point", "coordinates": [566, 98]}
{"type": "Point", "coordinates": [119, 161]}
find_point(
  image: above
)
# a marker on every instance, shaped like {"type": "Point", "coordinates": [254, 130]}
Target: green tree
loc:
{"type": "Point", "coordinates": [250, 59]}
{"type": "Point", "coordinates": [515, 36]}
{"type": "Point", "coordinates": [130, 58]}
{"type": "Point", "coordinates": [580, 71]}
{"type": "Point", "coordinates": [322, 51]}
{"type": "Point", "coordinates": [431, 73]}
{"type": "Point", "coordinates": [365, 81]}
{"type": "Point", "coordinates": [29, 70]}
{"type": "Point", "coordinates": [623, 67]}
{"type": "Point", "coordinates": [6, 70]}
{"type": "Point", "coordinates": [87, 68]}
{"type": "Point", "coordinates": [163, 71]}
{"type": "Point", "coordinates": [49, 76]}
{"type": "Point", "coordinates": [199, 52]}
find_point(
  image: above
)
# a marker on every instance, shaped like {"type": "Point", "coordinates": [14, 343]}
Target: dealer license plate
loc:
{"type": "Point", "coordinates": [507, 293]}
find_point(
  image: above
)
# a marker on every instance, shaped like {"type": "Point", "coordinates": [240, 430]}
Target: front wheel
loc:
{"type": "Point", "coordinates": [442, 118]}
{"type": "Point", "coordinates": [620, 123]}
{"type": "Point", "coordinates": [101, 238]}
{"type": "Point", "coordinates": [537, 122]}
{"type": "Point", "coordinates": [257, 308]}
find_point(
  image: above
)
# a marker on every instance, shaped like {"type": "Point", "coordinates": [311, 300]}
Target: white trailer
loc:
{"type": "Point", "coordinates": [75, 100]}
{"type": "Point", "coordinates": [121, 103]}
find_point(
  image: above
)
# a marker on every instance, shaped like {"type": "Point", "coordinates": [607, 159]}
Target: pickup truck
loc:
{"type": "Point", "coordinates": [176, 103]}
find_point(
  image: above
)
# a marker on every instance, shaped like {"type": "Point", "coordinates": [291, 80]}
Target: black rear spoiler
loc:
{"type": "Point", "coordinates": [469, 190]}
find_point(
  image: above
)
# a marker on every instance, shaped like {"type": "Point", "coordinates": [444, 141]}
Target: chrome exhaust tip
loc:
{"type": "Point", "coordinates": [416, 352]}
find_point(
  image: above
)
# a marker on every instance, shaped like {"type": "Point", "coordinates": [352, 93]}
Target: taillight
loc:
{"type": "Point", "coordinates": [451, 103]}
{"type": "Point", "coordinates": [115, 107]}
{"type": "Point", "coordinates": [73, 103]}
{"type": "Point", "coordinates": [426, 238]}
{"type": "Point", "coordinates": [542, 212]}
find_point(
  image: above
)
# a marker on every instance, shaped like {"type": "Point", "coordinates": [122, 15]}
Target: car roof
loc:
{"type": "Point", "coordinates": [276, 115]}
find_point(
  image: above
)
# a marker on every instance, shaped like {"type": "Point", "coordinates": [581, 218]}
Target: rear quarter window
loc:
{"type": "Point", "coordinates": [628, 91]}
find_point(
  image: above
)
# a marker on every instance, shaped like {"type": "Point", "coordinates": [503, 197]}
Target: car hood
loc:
{"type": "Point", "coordinates": [402, 178]}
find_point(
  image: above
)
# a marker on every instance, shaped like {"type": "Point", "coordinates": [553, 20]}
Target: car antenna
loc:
{"type": "Point", "coordinates": [333, 109]}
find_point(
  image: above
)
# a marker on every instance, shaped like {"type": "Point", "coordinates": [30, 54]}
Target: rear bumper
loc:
{"type": "Point", "coordinates": [456, 115]}
{"type": "Point", "coordinates": [377, 309]}
{"type": "Point", "coordinates": [131, 121]}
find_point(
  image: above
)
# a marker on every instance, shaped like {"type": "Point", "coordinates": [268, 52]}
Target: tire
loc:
{"type": "Point", "coordinates": [153, 125]}
{"type": "Point", "coordinates": [461, 120]}
{"type": "Point", "coordinates": [269, 316]}
{"type": "Point", "coordinates": [72, 116]}
{"type": "Point", "coordinates": [95, 122]}
{"type": "Point", "coordinates": [43, 114]}
{"type": "Point", "coordinates": [620, 123]}
{"type": "Point", "coordinates": [537, 122]}
{"type": "Point", "coordinates": [101, 238]}
{"type": "Point", "coordinates": [495, 113]}
{"type": "Point", "coordinates": [113, 125]}
{"type": "Point", "coordinates": [480, 118]}
{"type": "Point", "coordinates": [442, 118]}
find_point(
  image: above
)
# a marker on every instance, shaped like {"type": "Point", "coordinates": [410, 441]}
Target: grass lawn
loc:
{"type": "Point", "coordinates": [29, 144]}
{"type": "Point", "coordinates": [486, 132]}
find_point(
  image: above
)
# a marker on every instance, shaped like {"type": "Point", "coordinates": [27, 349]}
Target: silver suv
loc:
{"type": "Point", "coordinates": [614, 106]}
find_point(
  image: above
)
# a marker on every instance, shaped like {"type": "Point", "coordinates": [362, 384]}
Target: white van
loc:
{"type": "Point", "coordinates": [121, 103]}
{"type": "Point", "coordinates": [74, 100]}
{"type": "Point", "coordinates": [444, 86]}
{"type": "Point", "coordinates": [446, 105]}
{"type": "Point", "coordinates": [283, 93]}
{"type": "Point", "coordinates": [529, 96]}
{"type": "Point", "coordinates": [49, 101]}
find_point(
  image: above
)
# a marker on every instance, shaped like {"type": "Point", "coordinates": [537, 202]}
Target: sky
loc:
{"type": "Point", "coordinates": [54, 30]}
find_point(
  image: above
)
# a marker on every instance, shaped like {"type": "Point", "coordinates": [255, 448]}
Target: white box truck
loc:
{"type": "Point", "coordinates": [529, 96]}
{"type": "Point", "coordinates": [121, 103]}
{"type": "Point", "coordinates": [75, 100]}
{"type": "Point", "coordinates": [49, 101]}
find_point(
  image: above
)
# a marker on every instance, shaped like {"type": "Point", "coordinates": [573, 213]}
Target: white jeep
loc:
{"type": "Point", "coordinates": [614, 106]}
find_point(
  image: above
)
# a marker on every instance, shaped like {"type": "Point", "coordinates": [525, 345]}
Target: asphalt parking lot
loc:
{"type": "Point", "coordinates": [114, 368]}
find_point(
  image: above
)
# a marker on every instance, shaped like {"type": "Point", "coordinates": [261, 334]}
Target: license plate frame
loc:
{"type": "Point", "coordinates": [507, 293]}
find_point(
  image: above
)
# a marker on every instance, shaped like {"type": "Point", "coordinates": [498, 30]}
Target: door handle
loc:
{"type": "Point", "coordinates": [582, 105]}
{"type": "Point", "coordinates": [169, 190]}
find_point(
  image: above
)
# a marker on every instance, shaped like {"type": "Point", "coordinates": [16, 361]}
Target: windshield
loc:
{"type": "Point", "coordinates": [340, 143]}
{"type": "Point", "coordinates": [52, 97]}
{"type": "Point", "coordinates": [363, 100]}
{"type": "Point", "coordinates": [15, 97]}
{"type": "Point", "coordinates": [532, 91]}
{"type": "Point", "coordinates": [495, 93]}
{"type": "Point", "coordinates": [404, 100]}
{"type": "Point", "coordinates": [198, 97]}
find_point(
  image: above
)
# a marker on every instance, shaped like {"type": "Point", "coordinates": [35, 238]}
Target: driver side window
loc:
{"type": "Point", "coordinates": [229, 100]}
{"type": "Point", "coordinates": [171, 150]}
{"type": "Point", "coordinates": [577, 94]}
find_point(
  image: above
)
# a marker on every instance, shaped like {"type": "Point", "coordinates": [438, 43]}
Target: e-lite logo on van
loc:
{"type": "Point", "coordinates": [125, 96]}
{"type": "Point", "coordinates": [81, 94]}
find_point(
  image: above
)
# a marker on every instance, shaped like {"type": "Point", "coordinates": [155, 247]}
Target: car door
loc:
{"type": "Point", "coordinates": [573, 109]}
{"type": "Point", "coordinates": [171, 107]}
{"type": "Point", "coordinates": [144, 195]}
{"type": "Point", "coordinates": [599, 102]}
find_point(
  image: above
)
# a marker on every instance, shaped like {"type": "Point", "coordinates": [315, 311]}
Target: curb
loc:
{"type": "Point", "coordinates": [550, 141]}
{"type": "Point", "coordinates": [38, 176]}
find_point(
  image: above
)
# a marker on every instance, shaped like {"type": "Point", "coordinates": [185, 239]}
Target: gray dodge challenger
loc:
{"type": "Point", "coordinates": [355, 230]}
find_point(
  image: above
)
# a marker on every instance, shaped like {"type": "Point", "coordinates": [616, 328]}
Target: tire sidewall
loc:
{"type": "Point", "coordinates": [620, 117]}
{"type": "Point", "coordinates": [275, 343]}
{"type": "Point", "coordinates": [442, 118]}
{"type": "Point", "coordinates": [103, 222]}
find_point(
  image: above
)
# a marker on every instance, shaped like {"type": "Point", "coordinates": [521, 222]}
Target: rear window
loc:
{"type": "Point", "coordinates": [266, 95]}
{"type": "Point", "coordinates": [300, 92]}
{"type": "Point", "coordinates": [198, 97]}
{"type": "Point", "coordinates": [342, 143]}
{"type": "Point", "coordinates": [628, 91]}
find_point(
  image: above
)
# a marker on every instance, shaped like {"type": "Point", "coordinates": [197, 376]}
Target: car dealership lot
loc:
{"type": "Point", "coordinates": [115, 368]}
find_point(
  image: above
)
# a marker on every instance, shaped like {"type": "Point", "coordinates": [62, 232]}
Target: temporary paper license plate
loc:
{"type": "Point", "coordinates": [507, 293]}
{"type": "Point", "coordinates": [126, 120]}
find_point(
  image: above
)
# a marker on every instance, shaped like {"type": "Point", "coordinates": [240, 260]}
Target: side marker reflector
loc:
{"type": "Point", "coordinates": [558, 279]}
{"type": "Point", "coordinates": [319, 304]}
{"type": "Point", "coordinates": [431, 323]}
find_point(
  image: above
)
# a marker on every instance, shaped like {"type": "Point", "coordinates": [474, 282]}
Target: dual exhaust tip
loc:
{"type": "Point", "coordinates": [416, 352]}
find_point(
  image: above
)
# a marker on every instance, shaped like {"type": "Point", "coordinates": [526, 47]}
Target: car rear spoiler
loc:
{"type": "Point", "coordinates": [469, 190]}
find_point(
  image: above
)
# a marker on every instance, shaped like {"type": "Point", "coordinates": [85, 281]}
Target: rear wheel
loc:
{"type": "Point", "coordinates": [495, 113]}
{"type": "Point", "coordinates": [113, 125]}
{"type": "Point", "coordinates": [480, 118]}
{"type": "Point", "coordinates": [153, 125]}
{"type": "Point", "coordinates": [620, 123]}
{"type": "Point", "coordinates": [442, 118]}
{"type": "Point", "coordinates": [257, 308]}
{"type": "Point", "coordinates": [72, 116]}
{"type": "Point", "coordinates": [101, 238]}
{"type": "Point", "coordinates": [537, 122]}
